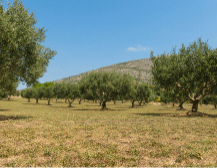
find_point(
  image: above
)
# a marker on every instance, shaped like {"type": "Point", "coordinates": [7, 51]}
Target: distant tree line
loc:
{"type": "Point", "coordinates": [96, 86]}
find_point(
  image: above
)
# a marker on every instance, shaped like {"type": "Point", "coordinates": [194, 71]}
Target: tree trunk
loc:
{"type": "Point", "coordinates": [122, 101]}
{"type": "Point", "coordinates": [103, 105]}
{"type": "Point", "coordinates": [215, 105]}
{"type": "Point", "coordinates": [9, 98]}
{"type": "Point", "coordinates": [181, 104]}
{"type": "Point", "coordinates": [132, 103]}
{"type": "Point", "coordinates": [95, 101]}
{"type": "Point", "coordinates": [173, 104]}
{"type": "Point", "coordinates": [56, 99]}
{"type": "Point", "coordinates": [80, 101]}
{"type": "Point", "coordinates": [65, 100]}
{"type": "Point", "coordinates": [37, 101]}
{"type": "Point", "coordinates": [195, 106]}
{"type": "Point", "coordinates": [140, 103]}
{"type": "Point", "coordinates": [48, 101]}
{"type": "Point", "coordinates": [28, 100]}
{"type": "Point", "coordinates": [84, 100]}
{"type": "Point", "coordinates": [70, 103]}
{"type": "Point", "coordinates": [114, 101]}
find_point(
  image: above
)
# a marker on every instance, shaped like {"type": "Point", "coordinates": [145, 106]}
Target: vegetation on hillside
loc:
{"type": "Point", "coordinates": [139, 69]}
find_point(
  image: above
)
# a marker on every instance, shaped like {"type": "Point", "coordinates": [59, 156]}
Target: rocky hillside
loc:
{"type": "Point", "coordinates": [139, 69]}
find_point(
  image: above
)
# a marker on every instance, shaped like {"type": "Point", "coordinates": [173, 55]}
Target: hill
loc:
{"type": "Point", "coordinates": [139, 69]}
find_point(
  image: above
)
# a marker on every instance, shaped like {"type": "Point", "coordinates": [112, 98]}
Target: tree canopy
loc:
{"type": "Point", "coordinates": [193, 69]}
{"type": "Point", "coordinates": [71, 92]}
{"type": "Point", "coordinates": [105, 86]}
{"type": "Point", "coordinates": [143, 93]}
{"type": "Point", "coordinates": [22, 55]}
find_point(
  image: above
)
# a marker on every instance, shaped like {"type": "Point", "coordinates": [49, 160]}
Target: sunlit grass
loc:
{"type": "Point", "coordinates": [83, 135]}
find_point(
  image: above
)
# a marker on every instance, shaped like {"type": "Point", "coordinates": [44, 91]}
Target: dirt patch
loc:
{"type": "Point", "coordinates": [4, 161]}
{"type": "Point", "coordinates": [154, 103]}
{"type": "Point", "coordinates": [199, 114]}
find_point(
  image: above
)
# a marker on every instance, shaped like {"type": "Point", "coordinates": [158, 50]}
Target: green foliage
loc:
{"type": "Point", "coordinates": [165, 97]}
{"type": "Point", "coordinates": [210, 99]}
{"type": "Point", "coordinates": [58, 90]}
{"type": "Point", "coordinates": [2, 94]}
{"type": "Point", "coordinates": [85, 89]}
{"type": "Point", "coordinates": [11, 89]}
{"type": "Point", "coordinates": [143, 93]}
{"type": "Point", "coordinates": [156, 90]}
{"type": "Point", "coordinates": [71, 92]}
{"type": "Point", "coordinates": [105, 86]}
{"type": "Point", "coordinates": [17, 93]}
{"type": "Point", "coordinates": [48, 92]}
{"type": "Point", "coordinates": [193, 69]}
{"type": "Point", "coordinates": [126, 86]}
{"type": "Point", "coordinates": [46, 84]}
{"type": "Point", "coordinates": [38, 93]}
{"type": "Point", "coordinates": [27, 93]}
{"type": "Point", "coordinates": [23, 57]}
{"type": "Point", "coordinates": [140, 92]}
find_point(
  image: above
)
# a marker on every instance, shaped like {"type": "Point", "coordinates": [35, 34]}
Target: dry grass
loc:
{"type": "Point", "coordinates": [150, 135]}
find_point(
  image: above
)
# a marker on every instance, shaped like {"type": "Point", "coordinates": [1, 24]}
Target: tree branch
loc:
{"type": "Point", "coordinates": [202, 94]}
{"type": "Point", "coordinates": [185, 91]}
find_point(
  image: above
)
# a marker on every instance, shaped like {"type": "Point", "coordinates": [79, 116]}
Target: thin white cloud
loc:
{"type": "Point", "coordinates": [139, 48]}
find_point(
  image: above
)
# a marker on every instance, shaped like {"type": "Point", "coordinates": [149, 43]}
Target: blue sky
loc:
{"type": "Point", "coordinates": [89, 34]}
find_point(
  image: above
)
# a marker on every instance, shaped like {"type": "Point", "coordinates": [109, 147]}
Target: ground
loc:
{"type": "Point", "coordinates": [83, 135]}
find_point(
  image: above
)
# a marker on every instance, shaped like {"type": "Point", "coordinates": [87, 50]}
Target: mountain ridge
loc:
{"type": "Point", "coordinates": [139, 69]}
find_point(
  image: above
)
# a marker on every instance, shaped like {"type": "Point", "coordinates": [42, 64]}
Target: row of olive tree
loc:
{"type": "Point", "coordinates": [107, 86]}
{"type": "Point", "coordinates": [101, 86]}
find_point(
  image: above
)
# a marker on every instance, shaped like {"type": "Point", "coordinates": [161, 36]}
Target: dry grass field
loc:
{"type": "Point", "coordinates": [151, 135]}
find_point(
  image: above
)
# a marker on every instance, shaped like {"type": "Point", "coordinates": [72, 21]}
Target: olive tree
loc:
{"type": "Point", "coordinates": [126, 86]}
{"type": "Point", "coordinates": [155, 92]}
{"type": "Point", "coordinates": [22, 54]}
{"type": "Point", "coordinates": [58, 91]}
{"type": "Point", "coordinates": [11, 90]}
{"type": "Point", "coordinates": [210, 99]}
{"type": "Point", "coordinates": [17, 93]}
{"type": "Point", "coordinates": [71, 92]}
{"type": "Point", "coordinates": [193, 69]}
{"type": "Point", "coordinates": [84, 89]}
{"type": "Point", "coordinates": [174, 95]}
{"type": "Point", "coordinates": [27, 93]}
{"type": "Point", "coordinates": [143, 93]}
{"type": "Point", "coordinates": [133, 94]}
{"type": "Point", "coordinates": [38, 93]}
{"type": "Point", "coordinates": [104, 86]}
{"type": "Point", "coordinates": [48, 93]}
